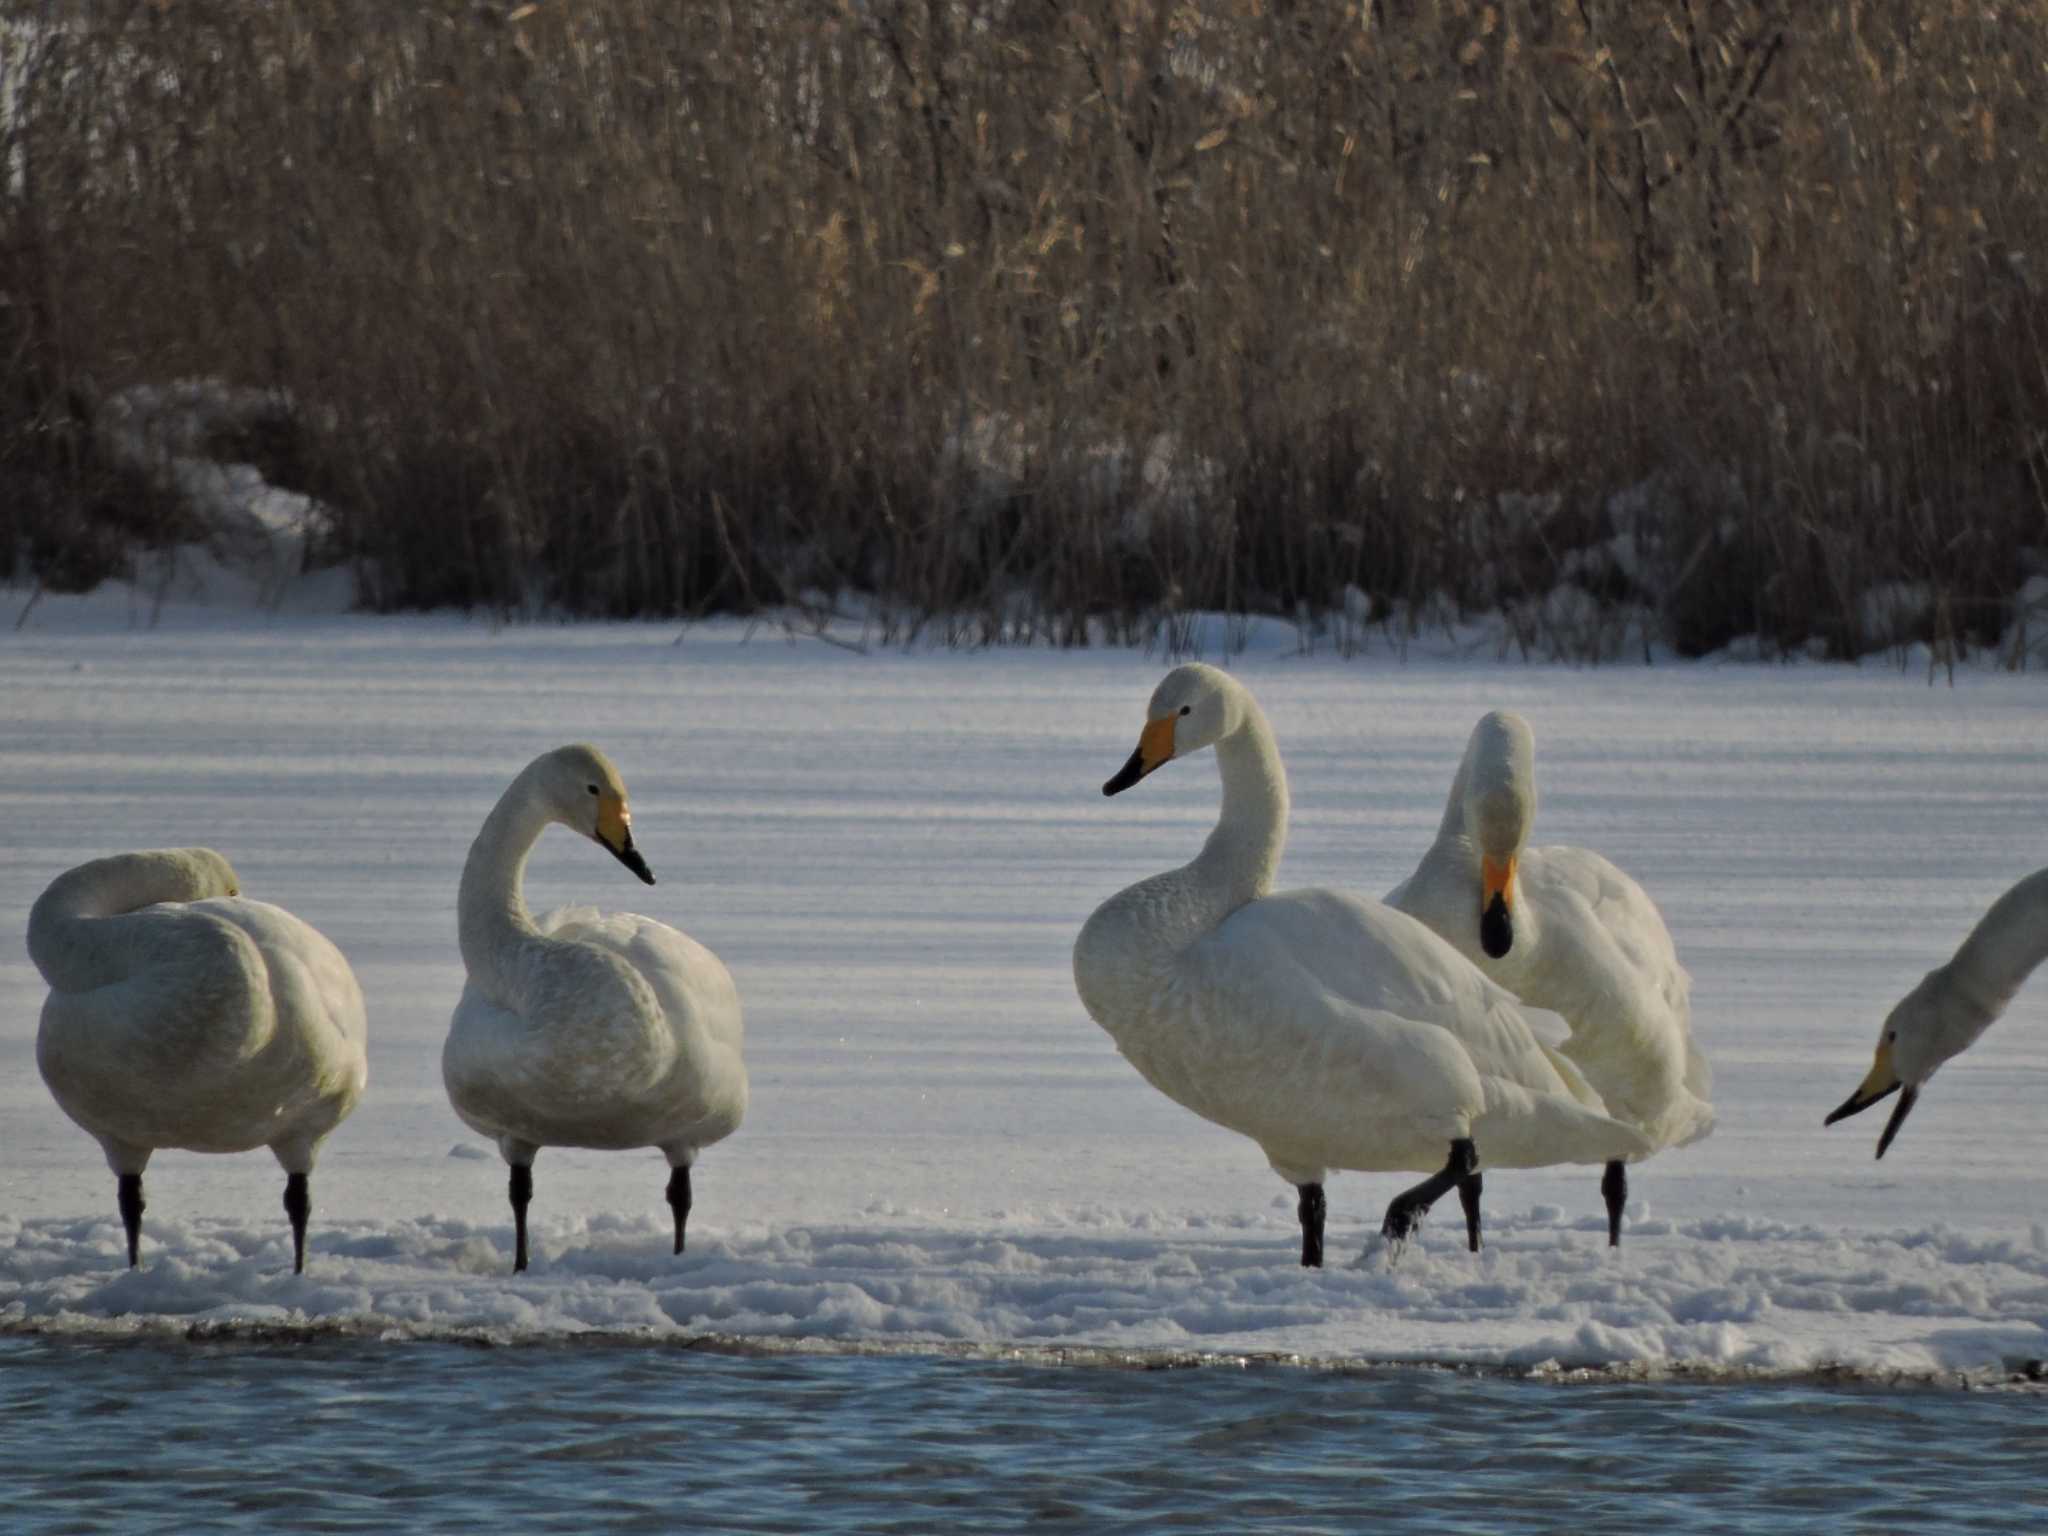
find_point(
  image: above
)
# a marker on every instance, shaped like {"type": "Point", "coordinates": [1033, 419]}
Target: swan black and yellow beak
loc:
{"type": "Point", "coordinates": [1155, 749]}
{"type": "Point", "coordinates": [1496, 905]}
{"type": "Point", "coordinates": [615, 831]}
{"type": "Point", "coordinates": [1880, 1082]}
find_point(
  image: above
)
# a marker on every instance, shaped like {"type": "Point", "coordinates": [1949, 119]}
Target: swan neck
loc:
{"type": "Point", "coordinates": [1242, 855]}
{"type": "Point", "coordinates": [74, 936]}
{"type": "Point", "coordinates": [491, 906]}
{"type": "Point", "coordinates": [2005, 947]}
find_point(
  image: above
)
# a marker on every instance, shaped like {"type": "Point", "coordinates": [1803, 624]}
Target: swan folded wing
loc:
{"type": "Point", "coordinates": [1609, 966]}
{"type": "Point", "coordinates": [706, 1086]}
{"type": "Point", "coordinates": [1395, 1044]}
{"type": "Point", "coordinates": [577, 1050]}
{"type": "Point", "coordinates": [1620, 931]}
{"type": "Point", "coordinates": [695, 990]}
{"type": "Point", "coordinates": [1382, 959]}
{"type": "Point", "coordinates": [161, 1057]}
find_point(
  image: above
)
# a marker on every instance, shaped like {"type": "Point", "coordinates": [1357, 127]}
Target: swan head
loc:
{"type": "Point", "coordinates": [1907, 1053]}
{"type": "Point", "coordinates": [209, 874]}
{"type": "Point", "coordinates": [1194, 706]}
{"type": "Point", "coordinates": [1497, 800]}
{"type": "Point", "coordinates": [582, 790]}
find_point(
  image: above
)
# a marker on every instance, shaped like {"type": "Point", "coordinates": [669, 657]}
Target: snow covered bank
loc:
{"type": "Point", "coordinates": [1717, 1295]}
{"type": "Point", "coordinates": [893, 853]}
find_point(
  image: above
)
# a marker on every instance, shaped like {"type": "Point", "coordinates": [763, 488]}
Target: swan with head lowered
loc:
{"type": "Point", "coordinates": [1563, 929]}
{"type": "Point", "coordinates": [1955, 1003]}
{"type": "Point", "coordinates": [1335, 1032]}
{"type": "Point", "coordinates": [585, 1028]}
{"type": "Point", "coordinates": [182, 1014]}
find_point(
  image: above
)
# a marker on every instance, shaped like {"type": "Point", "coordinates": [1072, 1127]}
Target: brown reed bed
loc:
{"type": "Point", "coordinates": [1032, 321]}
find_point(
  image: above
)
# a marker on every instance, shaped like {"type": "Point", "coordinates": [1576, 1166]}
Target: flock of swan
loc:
{"type": "Point", "coordinates": [1334, 1031]}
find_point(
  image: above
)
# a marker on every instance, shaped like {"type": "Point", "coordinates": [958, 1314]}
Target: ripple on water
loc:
{"type": "Point", "coordinates": [350, 1435]}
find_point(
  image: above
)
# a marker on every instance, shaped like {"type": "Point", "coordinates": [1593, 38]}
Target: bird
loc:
{"type": "Point", "coordinates": [1333, 1031]}
{"type": "Point", "coordinates": [184, 1014]}
{"type": "Point", "coordinates": [1954, 1003]}
{"type": "Point", "coordinates": [585, 1028]}
{"type": "Point", "coordinates": [1565, 930]}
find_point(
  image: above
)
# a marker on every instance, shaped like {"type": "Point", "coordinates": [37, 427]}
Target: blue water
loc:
{"type": "Point", "coordinates": [345, 1435]}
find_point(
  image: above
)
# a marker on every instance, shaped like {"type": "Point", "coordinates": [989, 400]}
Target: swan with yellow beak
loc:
{"type": "Point", "coordinates": [1954, 1003]}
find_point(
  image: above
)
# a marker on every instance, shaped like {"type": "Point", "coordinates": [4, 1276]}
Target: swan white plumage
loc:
{"type": "Point", "coordinates": [586, 1028]}
{"type": "Point", "coordinates": [1335, 1032]}
{"type": "Point", "coordinates": [1565, 930]}
{"type": "Point", "coordinates": [1955, 1003]}
{"type": "Point", "coordinates": [182, 1014]}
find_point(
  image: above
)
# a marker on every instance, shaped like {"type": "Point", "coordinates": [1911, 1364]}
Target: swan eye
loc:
{"type": "Point", "coordinates": [591, 787]}
{"type": "Point", "coordinates": [1187, 709]}
{"type": "Point", "coordinates": [1894, 1035]}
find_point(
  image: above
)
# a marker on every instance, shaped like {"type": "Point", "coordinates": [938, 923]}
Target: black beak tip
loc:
{"type": "Point", "coordinates": [1496, 929]}
{"type": "Point", "coordinates": [1855, 1104]}
{"type": "Point", "coordinates": [1132, 771]}
{"type": "Point", "coordinates": [1891, 1128]}
{"type": "Point", "coordinates": [630, 857]}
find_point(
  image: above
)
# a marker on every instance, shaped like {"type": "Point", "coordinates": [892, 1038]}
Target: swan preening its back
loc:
{"type": "Point", "coordinates": [1955, 1003]}
{"type": "Point", "coordinates": [1565, 930]}
{"type": "Point", "coordinates": [182, 1014]}
{"type": "Point", "coordinates": [585, 1028]}
{"type": "Point", "coordinates": [1335, 1032]}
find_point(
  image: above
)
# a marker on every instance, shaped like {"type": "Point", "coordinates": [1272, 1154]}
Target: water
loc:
{"type": "Point", "coordinates": [350, 1435]}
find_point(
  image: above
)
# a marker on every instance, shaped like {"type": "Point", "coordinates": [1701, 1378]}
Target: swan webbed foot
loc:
{"type": "Point", "coordinates": [1461, 1172]}
{"type": "Point", "coordinates": [679, 1199]}
{"type": "Point", "coordinates": [128, 1196]}
{"type": "Point", "coordinates": [522, 1196]}
{"type": "Point", "coordinates": [298, 1205]}
{"type": "Point", "coordinates": [1311, 1209]}
{"type": "Point", "coordinates": [1614, 1189]}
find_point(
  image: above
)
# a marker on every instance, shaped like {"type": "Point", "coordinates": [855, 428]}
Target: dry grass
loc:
{"type": "Point", "coordinates": [1014, 314]}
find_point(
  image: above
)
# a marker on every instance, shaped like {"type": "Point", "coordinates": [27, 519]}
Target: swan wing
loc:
{"type": "Point", "coordinates": [1606, 962]}
{"type": "Point", "coordinates": [616, 1031]}
{"type": "Point", "coordinates": [1337, 1032]}
{"type": "Point", "coordinates": [233, 1025]}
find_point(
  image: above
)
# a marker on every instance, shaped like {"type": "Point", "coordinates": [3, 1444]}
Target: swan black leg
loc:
{"type": "Point", "coordinates": [1468, 1197]}
{"type": "Point", "coordinates": [298, 1204]}
{"type": "Point", "coordinates": [522, 1196]}
{"type": "Point", "coordinates": [679, 1199]}
{"type": "Point", "coordinates": [1614, 1189]}
{"type": "Point", "coordinates": [1411, 1205]}
{"type": "Point", "coordinates": [128, 1196]}
{"type": "Point", "coordinates": [1310, 1209]}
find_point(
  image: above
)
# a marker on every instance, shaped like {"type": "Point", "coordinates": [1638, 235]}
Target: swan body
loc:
{"type": "Point", "coordinates": [1955, 1003]}
{"type": "Point", "coordinates": [585, 1028]}
{"type": "Point", "coordinates": [182, 1014]}
{"type": "Point", "coordinates": [1335, 1032]}
{"type": "Point", "coordinates": [1565, 930]}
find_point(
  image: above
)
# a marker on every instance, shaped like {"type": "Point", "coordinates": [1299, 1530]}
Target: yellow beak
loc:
{"type": "Point", "coordinates": [1877, 1083]}
{"type": "Point", "coordinates": [615, 831]}
{"type": "Point", "coordinates": [1155, 749]}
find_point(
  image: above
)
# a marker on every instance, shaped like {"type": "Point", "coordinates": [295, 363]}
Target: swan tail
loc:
{"type": "Point", "coordinates": [1525, 1129]}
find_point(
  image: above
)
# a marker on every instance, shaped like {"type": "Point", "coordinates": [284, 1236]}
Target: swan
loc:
{"type": "Point", "coordinates": [1563, 929]}
{"type": "Point", "coordinates": [1335, 1032]}
{"type": "Point", "coordinates": [182, 1014]}
{"type": "Point", "coordinates": [586, 1028]}
{"type": "Point", "coordinates": [1955, 1003]}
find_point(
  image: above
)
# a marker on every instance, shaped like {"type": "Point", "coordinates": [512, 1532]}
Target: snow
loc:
{"type": "Point", "coordinates": [893, 852]}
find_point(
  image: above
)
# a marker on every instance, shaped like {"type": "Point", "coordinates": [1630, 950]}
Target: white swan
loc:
{"type": "Point", "coordinates": [586, 1029]}
{"type": "Point", "coordinates": [183, 1015]}
{"type": "Point", "coordinates": [1563, 929]}
{"type": "Point", "coordinates": [1955, 1003]}
{"type": "Point", "coordinates": [1335, 1032]}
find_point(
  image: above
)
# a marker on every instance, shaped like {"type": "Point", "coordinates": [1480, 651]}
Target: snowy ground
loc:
{"type": "Point", "coordinates": [893, 853]}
